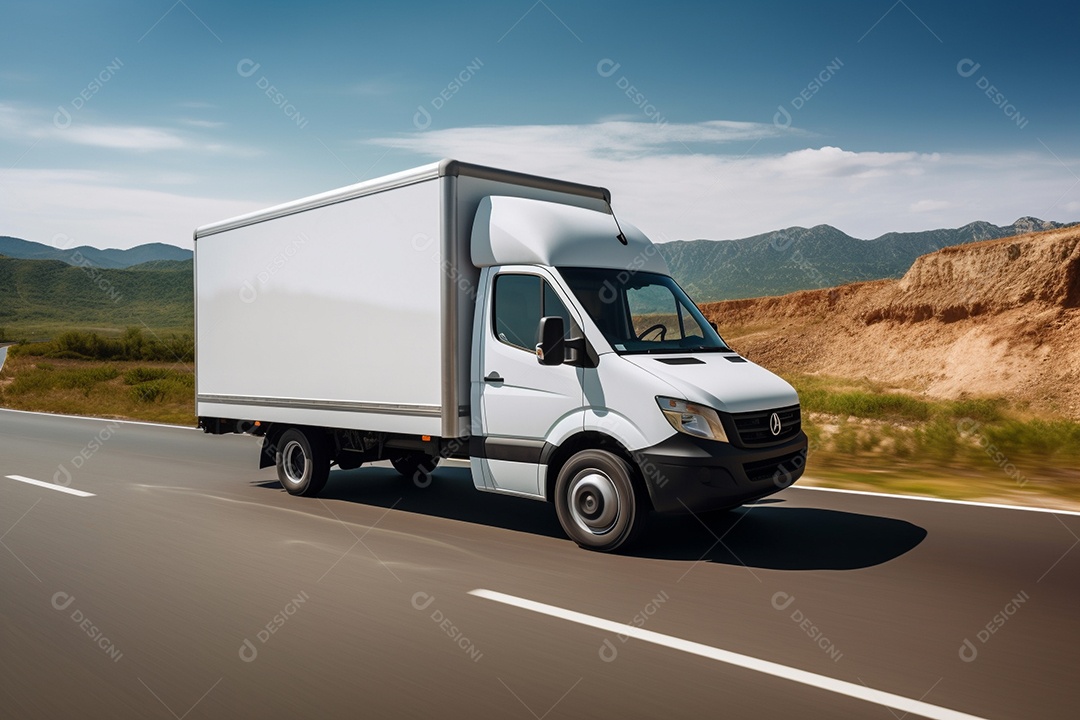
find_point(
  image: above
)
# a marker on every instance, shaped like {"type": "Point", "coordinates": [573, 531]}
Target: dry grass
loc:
{"type": "Point", "coordinates": [154, 392]}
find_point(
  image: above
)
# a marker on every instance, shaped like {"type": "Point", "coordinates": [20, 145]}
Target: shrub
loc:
{"type": "Point", "coordinates": [31, 381]}
{"type": "Point", "coordinates": [145, 374]}
{"type": "Point", "coordinates": [1041, 438]}
{"type": "Point", "coordinates": [936, 440]}
{"type": "Point", "coordinates": [863, 404]}
{"type": "Point", "coordinates": [983, 410]}
{"type": "Point", "coordinates": [149, 392]}
{"type": "Point", "coordinates": [175, 388]}
{"type": "Point", "coordinates": [132, 345]}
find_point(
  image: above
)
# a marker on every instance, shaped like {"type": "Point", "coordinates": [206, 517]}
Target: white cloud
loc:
{"type": "Point", "coordinates": [102, 210]}
{"type": "Point", "coordinates": [121, 137]}
{"type": "Point", "coordinates": [201, 123]}
{"type": "Point", "coordinates": [570, 142]}
{"type": "Point", "coordinates": [716, 190]}
{"type": "Point", "coordinates": [17, 123]}
{"type": "Point", "coordinates": [929, 205]}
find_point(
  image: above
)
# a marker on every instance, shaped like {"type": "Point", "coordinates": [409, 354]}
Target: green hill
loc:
{"type": "Point", "coordinates": [41, 297]}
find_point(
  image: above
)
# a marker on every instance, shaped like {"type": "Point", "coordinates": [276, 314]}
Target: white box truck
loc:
{"type": "Point", "coordinates": [461, 311]}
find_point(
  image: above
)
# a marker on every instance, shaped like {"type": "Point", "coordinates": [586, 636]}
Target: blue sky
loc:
{"type": "Point", "coordinates": [131, 122]}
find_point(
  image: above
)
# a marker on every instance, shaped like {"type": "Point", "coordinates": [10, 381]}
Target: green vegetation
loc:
{"type": "Point", "coordinates": [864, 435]}
{"type": "Point", "coordinates": [132, 345]}
{"type": "Point", "coordinates": [160, 384]}
{"type": "Point", "coordinates": [152, 391]}
{"type": "Point", "coordinates": [46, 377]}
{"type": "Point", "coordinates": [42, 298]}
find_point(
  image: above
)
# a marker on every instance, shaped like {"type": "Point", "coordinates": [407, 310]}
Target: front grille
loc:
{"type": "Point", "coordinates": [754, 430]}
{"type": "Point", "coordinates": [783, 469]}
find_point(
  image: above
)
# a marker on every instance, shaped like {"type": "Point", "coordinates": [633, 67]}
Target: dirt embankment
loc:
{"type": "Point", "coordinates": [996, 318]}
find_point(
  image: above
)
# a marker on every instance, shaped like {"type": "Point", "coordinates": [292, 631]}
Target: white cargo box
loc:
{"type": "Point", "coordinates": [352, 309]}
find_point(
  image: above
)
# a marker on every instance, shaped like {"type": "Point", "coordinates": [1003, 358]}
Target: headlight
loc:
{"type": "Point", "coordinates": [692, 419]}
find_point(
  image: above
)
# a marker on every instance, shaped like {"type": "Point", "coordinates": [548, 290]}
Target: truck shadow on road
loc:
{"type": "Point", "coordinates": [775, 537]}
{"type": "Point", "coordinates": [765, 535]}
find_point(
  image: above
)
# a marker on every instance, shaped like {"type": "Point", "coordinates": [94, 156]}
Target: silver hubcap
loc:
{"type": "Point", "coordinates": [294, 462]}
{"type": "Point", "coordinates": [594, 502]}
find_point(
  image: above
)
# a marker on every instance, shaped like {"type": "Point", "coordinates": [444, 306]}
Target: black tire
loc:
{"type": "Point", "coordinates": [417, 467]}
{"type": "Point", "coordinates": [598, 503]}
{"type": "Point", "coordinates": [303, 461]}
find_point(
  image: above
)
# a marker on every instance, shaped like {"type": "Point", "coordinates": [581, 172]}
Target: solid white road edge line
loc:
{"type": "Point", "coordinates": [98, 419]}
{"type": "Point", "coordinates": [860, 692]}
{"type": "Point", "coordinates": [51, 486]}
{"type": "Point", "coordinates": [947, 501]}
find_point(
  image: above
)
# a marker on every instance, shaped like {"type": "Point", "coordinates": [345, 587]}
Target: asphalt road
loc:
{"type": "Point", "coordinates": [183, 583]}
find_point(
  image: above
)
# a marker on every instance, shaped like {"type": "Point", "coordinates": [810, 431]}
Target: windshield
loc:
{"type": "Point", "coordinates": [642, 312]}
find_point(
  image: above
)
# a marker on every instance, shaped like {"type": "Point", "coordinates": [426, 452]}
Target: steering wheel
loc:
{"type": "Point", "coordinates": [659, 326]}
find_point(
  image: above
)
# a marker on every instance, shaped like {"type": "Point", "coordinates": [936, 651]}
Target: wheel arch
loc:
{"type": "Point", "coordinates": [589, 440]}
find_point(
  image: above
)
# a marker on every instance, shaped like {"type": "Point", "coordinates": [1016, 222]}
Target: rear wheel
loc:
{"type": "Point", "coordinates": [303, 461]}
{"type": "Point", "coordinates": [599, 505]}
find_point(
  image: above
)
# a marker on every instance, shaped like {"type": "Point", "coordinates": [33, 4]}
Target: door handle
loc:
{"type": "Point", "coordinates": [493, 377]}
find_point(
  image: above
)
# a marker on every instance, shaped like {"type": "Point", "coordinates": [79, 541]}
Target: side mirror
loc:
{"type": "Point", "coordinates": [713, 326]}
{"type": "Point", "coordinates": [550, 349]}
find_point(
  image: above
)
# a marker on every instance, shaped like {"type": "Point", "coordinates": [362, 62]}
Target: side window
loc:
{"type": "Point", "coordinates": [520, 302]}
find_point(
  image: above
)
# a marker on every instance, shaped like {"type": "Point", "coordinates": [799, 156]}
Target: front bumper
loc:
{"type": "Point", "coordinates": [687, 474]}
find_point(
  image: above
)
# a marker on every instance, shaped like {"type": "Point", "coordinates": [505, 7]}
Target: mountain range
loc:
{"type": "Point", "coordinates": [40, 289]}
{"type": "Point", "coordinates": [799, 258]}
{"type": "Point", "coordinates": [112, 258]}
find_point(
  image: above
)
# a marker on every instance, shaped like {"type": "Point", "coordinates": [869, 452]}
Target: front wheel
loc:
{"type": "Point", "coordinates": [303, 461]}
{"type": "Point", "coordinates": [597, 501]}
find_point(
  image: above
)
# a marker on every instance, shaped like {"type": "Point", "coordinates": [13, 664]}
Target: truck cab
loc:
{"type": "Point", "coordinates": [599, 385]}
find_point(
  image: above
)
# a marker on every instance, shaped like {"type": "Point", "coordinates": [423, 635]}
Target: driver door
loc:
{"type": "Point", "coordinates": [520, 400]}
